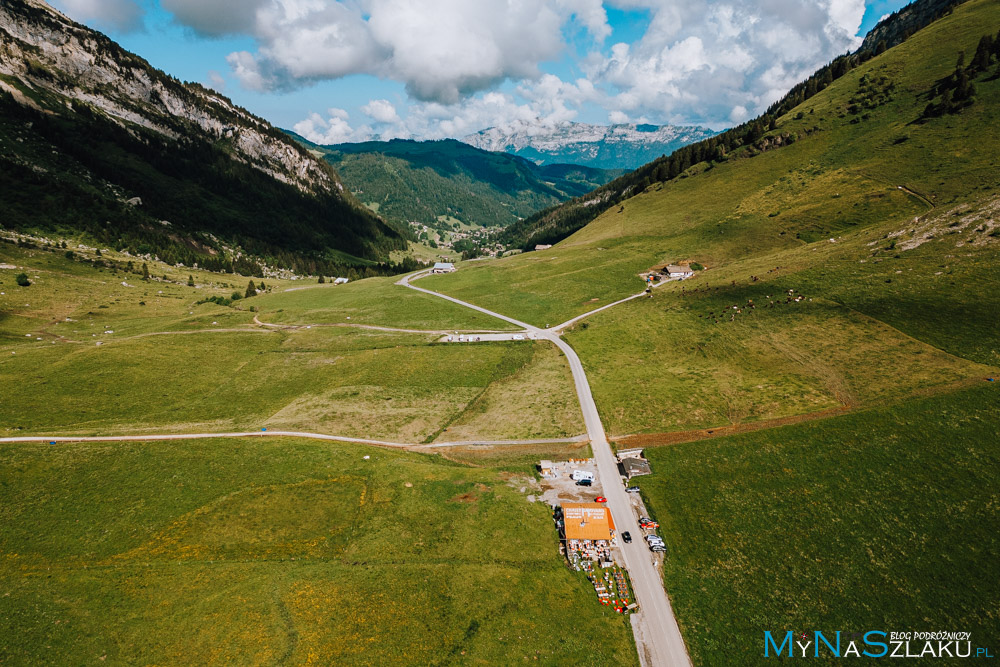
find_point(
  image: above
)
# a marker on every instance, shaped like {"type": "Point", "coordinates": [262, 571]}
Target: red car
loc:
{"type": "Point", "coordinates": [600, 499]}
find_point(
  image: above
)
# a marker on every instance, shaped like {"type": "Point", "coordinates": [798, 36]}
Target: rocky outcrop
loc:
{"type": "Point", "coordinates": [47, 53]}
{"type": "Point", "coordinates": [898, 26]}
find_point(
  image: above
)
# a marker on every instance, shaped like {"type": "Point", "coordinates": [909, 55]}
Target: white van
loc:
{"type": "Point", "coordinates": [582, 474]}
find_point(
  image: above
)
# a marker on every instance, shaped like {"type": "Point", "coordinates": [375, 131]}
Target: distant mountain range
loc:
{"type": "Point", "coordinates": [622, 146]}
{"type": "Point", "coordinates": [432, 182]}
{"type": "Point", "coordinates": [95, 142]}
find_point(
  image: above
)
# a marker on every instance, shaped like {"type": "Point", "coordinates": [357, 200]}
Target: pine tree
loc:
{"type": "Point", "coordinates": [322, 280]}
{"type": "Point", "coordinates": [984, 51]}
{"type": "Point", "coordinates": [190, 281]}
{"type": "Point", "coordinates": [145, 272]}
{"type": "Point", "coordinates": [251, 290]}
{"type": "Point", "coordinates": [963, 89]}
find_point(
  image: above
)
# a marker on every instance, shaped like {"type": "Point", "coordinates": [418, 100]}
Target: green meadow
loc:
{"type": "Point", "coordinates": [146, 357]}
{"type": "Point", "coordinates": [375, 301]}
{"type": "Point", "coordinates": [282, 550]}
{"type": "Point", "coordinates": [880, 520]}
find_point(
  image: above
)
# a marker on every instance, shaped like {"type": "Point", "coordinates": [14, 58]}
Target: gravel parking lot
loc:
{"type": "Point", "coordinates": [562, 488]}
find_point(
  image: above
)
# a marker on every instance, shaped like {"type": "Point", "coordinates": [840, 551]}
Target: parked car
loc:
{"type": "Point", "coordinates": [652, 539]}
{"type": "Point", "coordinates": [626, 537]}
{"type": "Point", "coordinates": [632, 489]}
{"type": "Point", "coordinates": [584, 482]}
{"type": "Point", "coordinates": [600, 499]}
{"type": "Point", "coordinates": [658, 548]}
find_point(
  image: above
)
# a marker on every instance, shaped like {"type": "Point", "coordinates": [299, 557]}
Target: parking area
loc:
{"type": "Point", "coordinates": [558, 485]}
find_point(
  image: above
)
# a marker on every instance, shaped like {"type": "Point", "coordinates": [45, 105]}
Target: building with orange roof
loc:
{"type": "Point", "coordinates": [588, 521]}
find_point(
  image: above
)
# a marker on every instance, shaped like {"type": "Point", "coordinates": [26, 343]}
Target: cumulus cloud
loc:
{"type": "Point", "coordinates": [617, 117]}
{"type": "Point", "coordinates": [711, 62]}
{"type": "Point", "coordinates": [381, 111]}
{"type": "Point", "coordinates": [334, 129]}
{"type": "Point", "coordinates": [442, 50]}
{"type": "Point", "coordinates": [122, 15]}
{"type": "Point", "coordinates": [716, 62]}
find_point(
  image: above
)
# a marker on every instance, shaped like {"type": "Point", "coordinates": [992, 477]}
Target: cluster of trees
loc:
{"type": "Point", "coordinates": [252, 290]}
{"type": "Point", "coordinates": [873, 91]}
{"type": "Point", "coordinates": [957, 90]}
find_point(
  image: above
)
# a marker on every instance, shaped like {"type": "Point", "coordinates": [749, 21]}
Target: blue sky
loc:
{"type": "Point", "coordinates": [347, 70]}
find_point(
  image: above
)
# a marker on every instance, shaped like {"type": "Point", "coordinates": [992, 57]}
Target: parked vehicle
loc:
{"type": "Point", "coordinates": [600, 499]}
{"type": "Point", "coordinates": [632, 489]}
{"type": "Point", "coordinates": [626, 537]}
{"type": "Point", "coordinates": [577, 475]}
{"type": "Point", "coordinates": [658, 548]}
{"type": "Point", "coordinates": [585, 482]}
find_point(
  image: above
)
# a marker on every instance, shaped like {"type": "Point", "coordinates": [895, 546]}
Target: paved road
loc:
{"type": "Point", "coordinates": [657, 632]}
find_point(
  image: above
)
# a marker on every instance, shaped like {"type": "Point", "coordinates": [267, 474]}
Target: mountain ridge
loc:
{"type": "Point", "coordinates": [616, 146]}
{"type": "Point", "coordinates": [104, 128]}
{"type": "Point", "coordinates": [423, 181]}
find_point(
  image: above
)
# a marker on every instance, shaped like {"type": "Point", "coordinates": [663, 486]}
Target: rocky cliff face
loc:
{"type": "Point", "coordinates": [45, 54]}
{"type": "Point", "coordinates": [623, 146]}
{"type": "Point", "coordinates": [899, 25]}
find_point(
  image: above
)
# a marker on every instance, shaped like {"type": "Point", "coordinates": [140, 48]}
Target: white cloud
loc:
{"type": "Point", "coordinates": [338, 113]}
{"type": "Point", "coordinates": [381, 111]}
{"type": "Point", "coordinates": [617, 117]}
{"type": "Point", "coordinates": [442, 50]}
{"type": "Point", "coordinates": [123, 15]}
{"type": "Point", "coordinates": [713, 62]}
{"type": "Point", "coordinates": [333, 130]}
{"type": "Point", "coordinates": [699, 61]}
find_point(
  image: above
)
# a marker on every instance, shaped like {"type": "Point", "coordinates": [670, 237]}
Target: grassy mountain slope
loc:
{"type": "Point", "coordinates": [845, 172]}
{"type": "Point", "coordinates": [86, 126]}
{"type": "Point", "coordinates": [911, 207]}
{"type": "Point", "coordinates": [431, 180]}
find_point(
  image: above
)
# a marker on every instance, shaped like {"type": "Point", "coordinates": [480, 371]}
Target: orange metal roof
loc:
{"type": "Point", "coordinates": [588, 521]}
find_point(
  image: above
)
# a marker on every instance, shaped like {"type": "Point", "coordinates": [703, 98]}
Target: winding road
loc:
{"type": "Point", "coordinates": [658, 636]}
